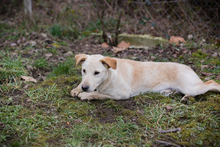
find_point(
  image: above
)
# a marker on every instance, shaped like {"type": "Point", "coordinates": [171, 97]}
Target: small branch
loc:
{"type": "Point", "coordinates": [117, 28]}
{"type": "Point", "coordinates": [169, 131]}
{"type": "Point", "coordinates": [167, 143]}
{"type": "Point", "coordinates": [101, 6]}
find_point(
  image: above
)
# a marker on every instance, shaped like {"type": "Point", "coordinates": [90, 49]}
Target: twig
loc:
{"type": "Point", "coordinates": [117, 27]}
{"type": "Point", "coordinates": [104, 36]}
{"type": "Point", "coordinates": [169, 131]}
{"type": "Point", "coordinates": [167, 143]}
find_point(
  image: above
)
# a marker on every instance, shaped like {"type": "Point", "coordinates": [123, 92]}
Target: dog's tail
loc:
{"type": "Point", "coordinates": [212, 86]}
{"type": "Point", "coordinates": [201, 88]}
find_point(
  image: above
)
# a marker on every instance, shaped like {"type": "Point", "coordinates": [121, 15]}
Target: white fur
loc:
{"type": "Point", "coordinates": [131, 78]}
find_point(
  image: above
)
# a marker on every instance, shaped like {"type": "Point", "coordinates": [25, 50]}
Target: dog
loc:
{"type": "Point", "coordinates": [112, 78]}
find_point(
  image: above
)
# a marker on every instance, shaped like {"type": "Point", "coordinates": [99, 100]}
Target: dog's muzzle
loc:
{"type": "Point", "coordinates": [85, 87]}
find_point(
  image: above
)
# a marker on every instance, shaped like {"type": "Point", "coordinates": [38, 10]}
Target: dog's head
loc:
{"type": "Point", "coordinates": [95, 70]}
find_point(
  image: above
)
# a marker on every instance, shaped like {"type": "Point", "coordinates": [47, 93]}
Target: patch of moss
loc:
{"type": "Point", "coordinates": [64, 83]}
{"type": "Point", "coordinates": [199, 54]}
{"type": "Point", "coordinates": [215, 61]}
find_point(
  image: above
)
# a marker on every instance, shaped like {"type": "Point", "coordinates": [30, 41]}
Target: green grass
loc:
{"type": "Point", "coordinates": [64, 31]}
{"type": "Point", "coordinates": [66, 68]}
{"type": "Point", "coordinates": [44, 113]}
{"type": "Point", "coordinates": [41, 63]}
{"type": "Point", "coordinates": [11, 68]}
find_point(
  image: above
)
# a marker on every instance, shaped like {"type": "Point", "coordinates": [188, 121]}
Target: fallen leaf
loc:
{"type": "Point", "coordinates": [207, 78]}
{"type": "Point", "coordinates": [104, 45]}
{"type": "Point", "coordinates": [26, 86]}
{"type": "Point", "coordinates": [32, 43]}
{"type": "Point", "coordinates": [218, 77]}
{"type": "Point", "coordinates": [169, 108]}
{"type": "Point", "coordinates": [29, 79]}
{"type": "Point", "coordinates": [48, 55]}
{"type": "Point", "coordinates": [176, 40]}
{"type": "Point", "coordinates": [56, 45]}
{"type": "Point", "coordinates": [204, 66]}
{"type": "Point", "coordinates": [117, 49]}
{"type": "Point", "coordinates": [77, 120]}
{"type": "Point", "coordinates": [69, 53]}
{"type": "Point", "coordinates": [207, 74]}
{"type": "Point", "coordinates": [215, 55]}
{"type": "Point", "coordinates": [29, 67]}
{"type": "Point", "coordinates": [124, 45]}
{"type": "Point", "coordinates": [13, 44]}
{"type": "Point", "coordinates": [44, 35]}
{"type": "Point", "coordinates": [67, 123]}
{"type": "Point", "coordinates": [190, 36]}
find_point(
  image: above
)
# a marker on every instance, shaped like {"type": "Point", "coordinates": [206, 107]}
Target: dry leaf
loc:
{"type": "Point", "coordinates": [29, 79]}
{"type": "Point", "coordinates": [207, 78]}
{"type": "Point", "coordinates": [176, 40]}
{"type": "Point", "coordinates": [117, 49]}
{"type": "Point", "coordinates": [32, 43]}
{"type": "Point", "coordinates": [124, 45]}
{"type": "Point", "coordinates": [77, 120]}
{"type": "Point", "coordinates": [48, 55]}
{"type": "Point", "coordinates": [13, 44]}
{"type": "Point", "coordinates": [169, 108]}
{"type": "Point", "coordinates": [29, 67]}
{"type": "Point", "coordinates": [56, 45]}
{"type": "Point", "coordinates": [104, 45]}
{"type": "Point", "coordinates": [69, 53]}
{"type": "Point", "coordinates": [26, 86]}
{"type": "Point", "coordinates": [207, 74]}
{"type": "Point", "coordinates": [204, 66]}
{"type": "Point", "coordinates": [44, 35]}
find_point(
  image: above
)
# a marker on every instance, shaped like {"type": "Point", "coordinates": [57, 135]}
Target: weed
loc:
{"type": "Point", "coordinates": [56, 30]}
{"type": "Point", "coordinates": [69, 32]}
{"type": "Point", "coordinates": [41, 63]}
{"type": "Point", "coordinates": [65, 68]}
{"type": "Point", "coordinates": [11, 69]}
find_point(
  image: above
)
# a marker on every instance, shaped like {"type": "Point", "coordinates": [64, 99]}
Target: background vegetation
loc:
{"type": "Point", "coordinates": [43, 113]}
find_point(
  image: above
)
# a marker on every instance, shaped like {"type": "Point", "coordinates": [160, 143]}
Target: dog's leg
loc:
{"type": "Point", "coordinates": [185, 99]}
{"type": "Point", "coordinates": [167, 92]}
{"type": "Point", "coordinates": [76, 91]}
{"type": "Point", "coordinates": [94, 95]}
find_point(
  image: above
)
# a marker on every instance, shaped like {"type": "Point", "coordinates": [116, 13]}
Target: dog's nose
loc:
{"type": "Point", "coordinates": [85, 87]}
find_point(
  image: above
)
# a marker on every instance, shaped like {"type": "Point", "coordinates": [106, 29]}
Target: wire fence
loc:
{"type": "Point", "coordinates": [197, 19]}
{"type": "Point", "coordinates": [187, 18]}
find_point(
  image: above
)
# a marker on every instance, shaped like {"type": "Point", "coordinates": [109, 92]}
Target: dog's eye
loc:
{"type": "Point", "coordinates": [84, 70]}
{"type": "Point", "coordinates": [96, 73]}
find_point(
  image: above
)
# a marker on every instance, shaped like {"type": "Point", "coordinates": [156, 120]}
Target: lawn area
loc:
{"type": "Point", "coordinates": [42, 113]}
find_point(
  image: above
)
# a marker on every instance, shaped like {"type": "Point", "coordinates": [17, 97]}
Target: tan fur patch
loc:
{"type": "Point", "coordinates": [79, 58]}
{"type": "Point", "coordinates": [112, 63]}
{"type": "Point", "coordinates": [212, 82]}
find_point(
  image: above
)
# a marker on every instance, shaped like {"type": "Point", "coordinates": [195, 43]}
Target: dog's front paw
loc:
{"type": "Point", "coordinates": [75, 92]}
{"type": "Point", "coordinates": [85, 96]}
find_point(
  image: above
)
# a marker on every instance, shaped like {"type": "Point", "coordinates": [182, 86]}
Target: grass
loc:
{"type": "Point", "coordinates": [11, 68]}
{"type": "Point", "coordinates": [64, 31]}
{"type": "Point", "coordinates": [41, 63]}
{"type": "Point", "coordinates": [66, 68]}
{"type": "Point", "coordinates": [44, 113]}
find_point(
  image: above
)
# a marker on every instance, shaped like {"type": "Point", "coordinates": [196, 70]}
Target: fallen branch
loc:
{"type": "Point", "coordinates": [167, 143]}
{"type": "Point", "coordinates": [169, 131]}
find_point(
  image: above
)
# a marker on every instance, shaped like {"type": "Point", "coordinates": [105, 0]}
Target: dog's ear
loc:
{"type": "Point", "coordinates": [80, 58]}
{"type": "Point", "coordinates": [110, 62]}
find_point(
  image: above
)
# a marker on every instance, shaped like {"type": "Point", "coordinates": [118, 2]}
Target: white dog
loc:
{"type": "Point", "coordinates": [112, 78]}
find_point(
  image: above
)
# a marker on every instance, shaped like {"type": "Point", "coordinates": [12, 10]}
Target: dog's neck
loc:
{"type": "Point", "coordinates": [106, 83]}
